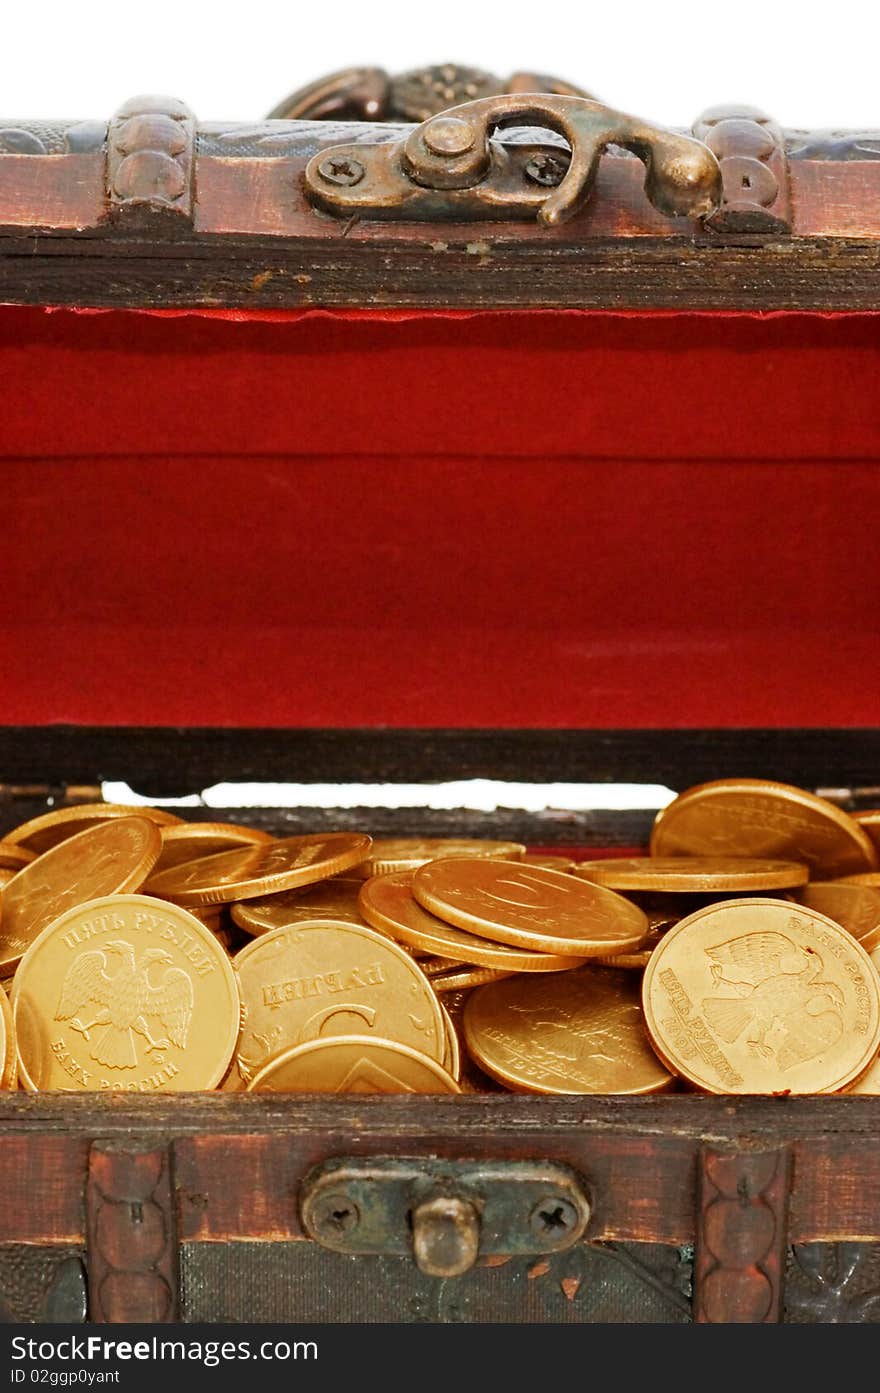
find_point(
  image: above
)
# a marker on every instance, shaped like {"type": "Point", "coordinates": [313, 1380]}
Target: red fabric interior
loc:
{"type": "Point", "coordinates": [498, 519]}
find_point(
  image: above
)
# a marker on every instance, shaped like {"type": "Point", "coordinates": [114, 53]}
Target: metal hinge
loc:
{"type": "Point", "coordinates": [449, 167]}
{"type": "Point", "coordinates": [445, 1214]}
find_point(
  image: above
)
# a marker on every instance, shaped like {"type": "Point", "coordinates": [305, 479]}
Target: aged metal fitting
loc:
{"type": "Point", "coordinates": [547, 170]}
{"type": "Point", "coordinates": [443, 1213]}
{"type": "Point", "coordinates": [334, 1215]}
{"type": "Point", "coordinates": [553, 1216]}
{"type": "Point", "coordinates": [448, 135]}
{"type": "Point", "coordinates": [446, 1236]}
{"type": "Point", "coordinates": [450, 167]}
{"type": "Point", "coordinates": [342, 170]}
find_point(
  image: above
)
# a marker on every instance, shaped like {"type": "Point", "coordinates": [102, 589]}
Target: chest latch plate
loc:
{"type": "Point", "coordinates": [445, 1214]}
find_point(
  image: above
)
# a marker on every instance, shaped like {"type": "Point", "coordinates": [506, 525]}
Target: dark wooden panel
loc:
{"type": "Point", "coordinates": [641, 1186]}
{"type": "Point", "coordinates": [241, 1158]}
{"type": "Point", "coordinates": [167, 761]}
{"type": "Point", "coordinates": [42, 1179]}
{"type": "Point", "coordinates": [643, 273]}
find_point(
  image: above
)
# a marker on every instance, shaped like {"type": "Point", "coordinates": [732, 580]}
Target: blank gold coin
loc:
{"type": "Point", "coordinates": [42, 833]}
{"type": "Point", "coordinates": [108, 858]}
{"type": "Point", "coordinates": [578, 1032]}
{"type": "Point", "coordinates": [255, 871]}
{"type": "Point", "coordinates": [762, 996]}
{"type": "Point", "coordinates": [125, 994]}
{"type": "Point", "coordinates": [336, 898]}
{"type": "Point", "coordinates": [759, 817]}
{"type": "Point", "coordinates": [387, 903]}
{"type": "Point", "coordinates": [392, 855]}
{"type": "Point", "coordinates": [697, 874]}
{"type": "Point", "coordinates": [463, 977]}
{"type": "Point", "coordinates": [353, 1064]}
{"type": "Point", "coordinates": [323, 979]}
{"type": "Point", "coordinates": [189, 841]}
{"type": "Point", "coordinates": [530, 907]}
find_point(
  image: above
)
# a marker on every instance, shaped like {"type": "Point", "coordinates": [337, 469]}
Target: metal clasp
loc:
{"type": "Point", "coordinates": [450, 167]}
{"type": "Point", "coordinates": [445, 1214]}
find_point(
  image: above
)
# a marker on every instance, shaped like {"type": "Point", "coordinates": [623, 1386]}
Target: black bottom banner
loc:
{"type": "Point", "coordinates": [195, 1357]}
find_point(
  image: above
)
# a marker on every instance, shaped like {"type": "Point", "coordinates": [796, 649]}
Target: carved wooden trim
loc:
{"type": "Point", "coordinates": [151, 161]}
{"type": "Point", "coordinates": [741, 1235]}
{"type": "Point", "coordinates": [750, 148]}
{"type": "Point", "coordinates": [132, 1235]}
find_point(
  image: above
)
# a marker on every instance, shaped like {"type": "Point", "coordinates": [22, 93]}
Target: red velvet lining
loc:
{"type": "Point", "coordinates": [523, 518]}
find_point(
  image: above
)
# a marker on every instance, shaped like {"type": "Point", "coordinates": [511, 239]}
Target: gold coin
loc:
{"type": "Point", "coordinates": [452, 1057]}
{"type": "Point", "coordinates": [6, 874]}
{"type": "Point", "coordinates": [190, 841]}
{"type": "Point", "coordinates": [871, 878]}
{"type": "Point", "coordinates": [42, 833]}
{"type": "Point", "coordinates": [549, 863]}
{"type": "Point", "coordinates": [869, 1082]}
{"type": "Point", "coordinates": [13, 857]}
{"type": "Point", "coordinates": [391, 855]}
{"type": "Point", "coordinates": [529, 907]}
{"type": "Point", "coordinates": [856, 907]}
{"type": "Point", "coordinates": [324, 979]}
{"type": "Point", "coordinates": [758, 817]}
{"type": "Point", "coordinates": [387, 903]}
{"type": "Point", "coordinates": [638, 961]}
{"type": "Point", "coordinates": [253, 871]}
{"type": "Point", "coordinates": [109, 858]}
{"type": "Point", "coordinates": [762, 996]}
{"type": "Point", "coordinates": [8, 1070]}
{"type": "Point", "coordinates": [125, 994]}
{"type": "Point", "coordinates": [700, 874]}
{"type": "Point", "coordinates": [336, 898]}
{"type": "Point", "coordinates": [431, 966]}
{"type": "Point", "coordinates": [578, 1032]}
{"type": "Point", "coordinates": [464, 976]}
{"type": "Point", "coordinates": [869, 819]}
{"type": "Point", "coordinates": [353, 1064]}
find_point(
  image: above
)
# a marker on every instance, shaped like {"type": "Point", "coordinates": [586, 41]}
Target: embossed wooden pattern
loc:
{"type": "Point", "coordinates": [741, 1235]}
{"type": "Point", "coordinates": [750, 148]}
{"type": "Point", "coordinates": [132, 1239]}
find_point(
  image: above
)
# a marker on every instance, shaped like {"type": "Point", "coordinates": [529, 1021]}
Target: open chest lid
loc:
{"type": "Point", "coordinates": [268, 461]}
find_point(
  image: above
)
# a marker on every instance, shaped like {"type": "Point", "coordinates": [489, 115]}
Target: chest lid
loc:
{"type": "Point", "coordinates": [270, 465]}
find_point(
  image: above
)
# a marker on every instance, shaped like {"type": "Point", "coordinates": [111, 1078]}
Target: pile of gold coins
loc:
{"type": "Point", "coordinates": [142, 953]}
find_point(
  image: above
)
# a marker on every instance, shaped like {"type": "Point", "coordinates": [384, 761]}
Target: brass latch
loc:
{"type": "Point", "coordinates": [445, 1214]}
{"type": "Point", "coordinates": [449, 167]}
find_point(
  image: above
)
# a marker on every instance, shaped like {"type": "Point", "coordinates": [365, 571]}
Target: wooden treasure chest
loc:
{"type": "Point", "coordinates": [438, 429]}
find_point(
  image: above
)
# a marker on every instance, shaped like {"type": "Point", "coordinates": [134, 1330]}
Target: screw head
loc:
{"type": "Point", "coordinates": [341, 169]}
{"type": "Point", "coordinates": [449, 135]}
{"type": "Point", "coordinates": [548, 170]}
{"type": "Point", "coordinates": [334, 1215]}
{"type": "Point", "coordinates": [553, 1219]}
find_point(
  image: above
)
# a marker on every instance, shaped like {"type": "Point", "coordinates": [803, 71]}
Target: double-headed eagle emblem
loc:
{"type": "Point", "coordinates": [779, 995]}
{"type": "Point", "coordinates": [127, 1003]}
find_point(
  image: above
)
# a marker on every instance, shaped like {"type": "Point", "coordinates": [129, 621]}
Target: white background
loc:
{"type": "Point", "coordinates": [806, 63]}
